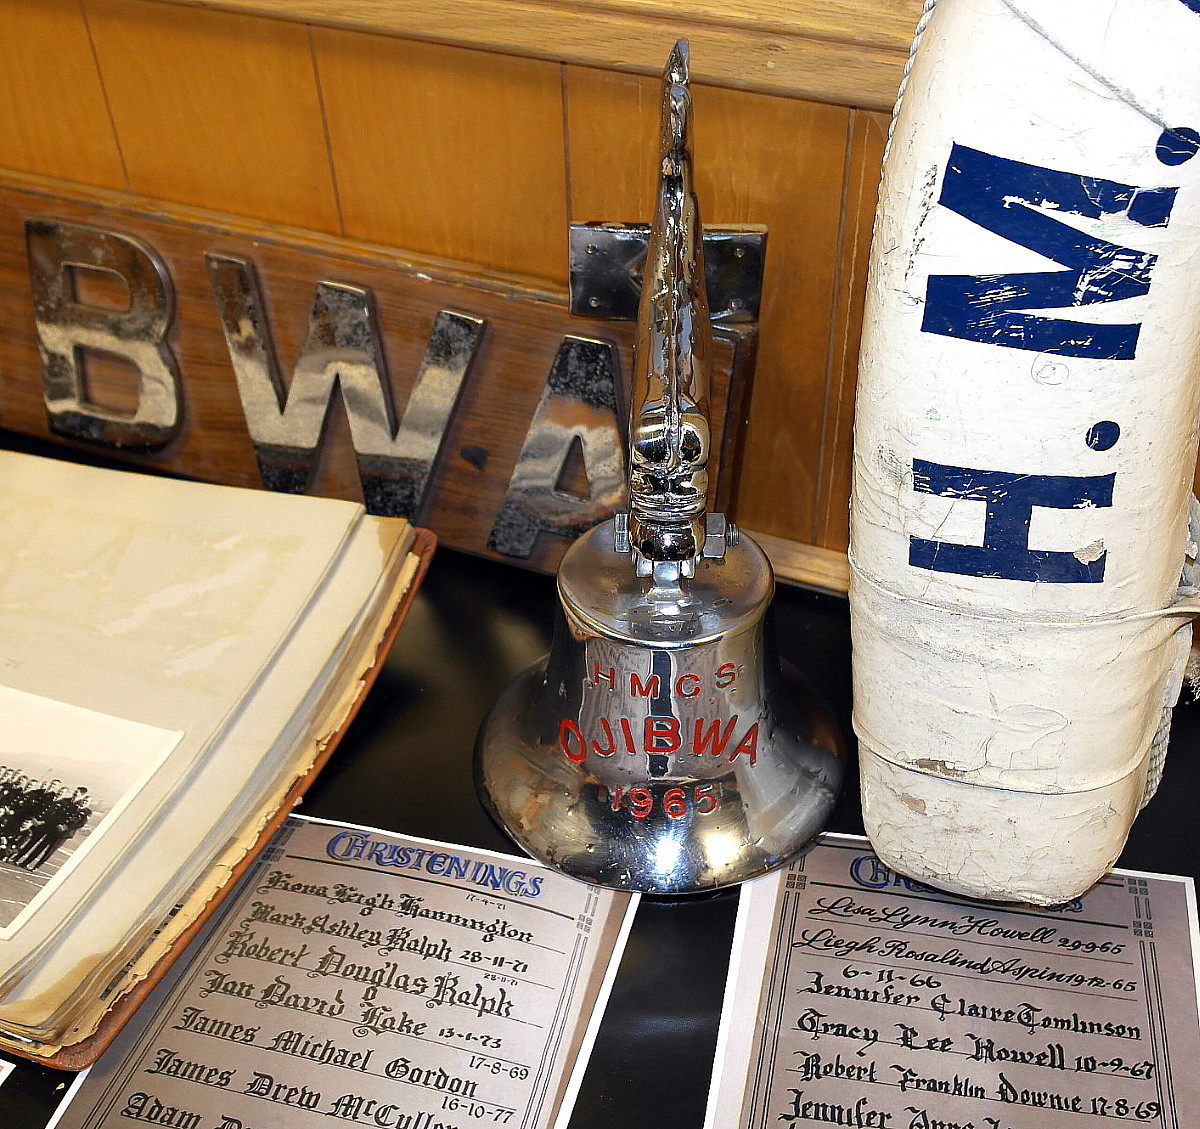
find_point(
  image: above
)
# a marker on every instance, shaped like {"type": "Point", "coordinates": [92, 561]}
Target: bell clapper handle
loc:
{"type": "Point", "coordinates": [668, 529]}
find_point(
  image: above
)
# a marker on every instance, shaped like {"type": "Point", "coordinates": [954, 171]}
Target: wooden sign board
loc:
{"type": "Point", "coordinates": [257, 359]}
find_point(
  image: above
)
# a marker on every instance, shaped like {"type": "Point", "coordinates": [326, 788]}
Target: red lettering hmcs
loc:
{"type": "Point", "coordinates": [686, 685]}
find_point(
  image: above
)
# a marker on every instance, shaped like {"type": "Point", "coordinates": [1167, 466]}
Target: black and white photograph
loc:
{"type": "Point", "coordinates": [65, 773]}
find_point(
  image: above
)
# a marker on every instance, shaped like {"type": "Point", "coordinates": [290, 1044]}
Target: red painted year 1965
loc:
{"type": "Point", "coordinates": [640, 800]}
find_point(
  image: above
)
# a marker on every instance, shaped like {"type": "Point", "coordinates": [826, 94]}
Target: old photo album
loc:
{"type": "Point", "coordinates": [175, 660]}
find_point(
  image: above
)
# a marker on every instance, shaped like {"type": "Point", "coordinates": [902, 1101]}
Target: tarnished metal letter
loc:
{"type": "Point", "coordinates": [342, 347]}
{"type": "Point", "coordinates": [68, 329]}
{"type": "Point", "coordinates": [578, 409]}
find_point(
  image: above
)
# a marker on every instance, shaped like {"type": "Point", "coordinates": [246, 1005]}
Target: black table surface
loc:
{"type": "Point", "coordinates": [405, 765]}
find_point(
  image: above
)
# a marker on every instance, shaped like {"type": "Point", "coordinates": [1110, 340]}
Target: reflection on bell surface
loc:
{"type": "Point", "coordinates": [660, 746]}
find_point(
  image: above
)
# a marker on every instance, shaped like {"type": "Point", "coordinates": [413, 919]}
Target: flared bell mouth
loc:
{"type": "Point", "coordinates": [579, 791]}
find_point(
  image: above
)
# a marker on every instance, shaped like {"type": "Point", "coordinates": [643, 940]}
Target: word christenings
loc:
{"type": "Point", "coordinates": [355, 846]}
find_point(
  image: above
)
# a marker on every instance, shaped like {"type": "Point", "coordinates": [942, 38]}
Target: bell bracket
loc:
{"type": "Point", "coordinates": [607, 261]}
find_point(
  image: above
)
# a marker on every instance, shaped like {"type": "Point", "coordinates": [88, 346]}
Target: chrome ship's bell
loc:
{"type": "Point", "coordinates": [660, 746]}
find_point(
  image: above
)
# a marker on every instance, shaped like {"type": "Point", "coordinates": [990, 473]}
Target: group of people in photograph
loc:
{"type": "Point", "coordinates": [37, 817]}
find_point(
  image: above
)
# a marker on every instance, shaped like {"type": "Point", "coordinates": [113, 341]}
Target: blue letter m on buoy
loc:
{"type": "Point", "coordinates": [1022, 203]}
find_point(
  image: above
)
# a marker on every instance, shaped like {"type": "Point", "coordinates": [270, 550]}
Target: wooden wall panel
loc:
{"type": "Point", "coordinates": [848, 52]}
{"type": "Point", "coordinates": [448, 152]}
{"type": "Point", "coordinates": [759, 159]}
{"type": "Point", "coordinates": [216, 110]}
{"type": "Point", "coordinates": [868, 136]}
{"type": "Point", "coordinates": [53, 117]}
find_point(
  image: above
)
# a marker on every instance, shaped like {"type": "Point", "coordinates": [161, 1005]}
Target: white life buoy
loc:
{"type": "Point", "coordinates": [1025, 437]}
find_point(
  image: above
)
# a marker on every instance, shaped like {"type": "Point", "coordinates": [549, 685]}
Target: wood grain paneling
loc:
{"type": "Point", "coordinates": [868, 136]}
{"type": "Point", "coordinates": [448, 152]}
{"type": "Point", "coordinates": [850, 52]}
{"type": "Point", "coordinates": [53, 117]}
{"type": "Point", "coordinates": [216, 110]}
{"type": "Point", "coordinates": [824, 569]}
{"type": "Point", "coordinates": [759, 159]}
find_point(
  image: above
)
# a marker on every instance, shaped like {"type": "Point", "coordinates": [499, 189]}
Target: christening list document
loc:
{"type": "Point", "coordinates": [363, 978]}
{"type": "Point", "coordinates": [859, 998]}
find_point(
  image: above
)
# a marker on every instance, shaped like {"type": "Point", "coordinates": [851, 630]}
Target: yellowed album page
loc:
{"type": "Point", "coordinates": [156, 601]}
{"type": "Point", "coordinates": [273, 738]}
